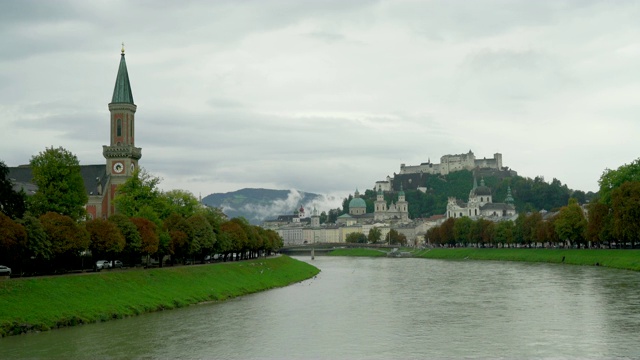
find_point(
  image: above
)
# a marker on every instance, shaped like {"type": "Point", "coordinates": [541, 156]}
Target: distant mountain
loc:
{"type": "Point", "coordinates": [257, 205]}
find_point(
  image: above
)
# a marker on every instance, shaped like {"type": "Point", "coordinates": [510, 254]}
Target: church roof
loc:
{"type": "Point", "coordinates": [122, 91]}
{"type": "Point", "coordinates": [92, 175]}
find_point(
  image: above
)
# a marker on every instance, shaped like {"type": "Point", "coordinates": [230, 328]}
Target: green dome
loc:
{"type": "Point", "coordinates": [357, 203]}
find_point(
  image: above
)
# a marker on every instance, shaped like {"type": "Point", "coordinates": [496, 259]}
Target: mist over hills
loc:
{"type": "Point", "coordinates": [257, 205]}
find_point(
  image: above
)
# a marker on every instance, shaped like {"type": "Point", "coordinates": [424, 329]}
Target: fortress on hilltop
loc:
{"type": "Point", "coordinates": [413, 176]}
{"type": "Point", "coordinates": [452, 163]}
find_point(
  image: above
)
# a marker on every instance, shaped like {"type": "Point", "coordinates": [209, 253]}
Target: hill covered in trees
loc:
{"type": "Point", "coordinates": [529, 194]}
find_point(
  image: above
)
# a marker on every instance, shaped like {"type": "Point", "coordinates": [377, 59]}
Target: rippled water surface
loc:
{"type": "Point", "coordinates": [363, 308]}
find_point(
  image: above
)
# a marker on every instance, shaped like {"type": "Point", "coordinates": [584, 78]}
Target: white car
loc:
{"type": "Point", "coordinates": [5, 270]}
{"type": "Point", "coordinates": [102, 264]}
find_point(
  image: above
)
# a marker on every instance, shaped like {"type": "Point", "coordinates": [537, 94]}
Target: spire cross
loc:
{"type": "Point", "coordinates": [122, 47]}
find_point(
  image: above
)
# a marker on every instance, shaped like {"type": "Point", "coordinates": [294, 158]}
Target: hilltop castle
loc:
{"type": "Point", "coordinates": [411, 176]}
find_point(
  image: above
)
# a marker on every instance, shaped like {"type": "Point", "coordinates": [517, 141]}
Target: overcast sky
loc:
{"type": "Point", "coordinates": [326, 96]}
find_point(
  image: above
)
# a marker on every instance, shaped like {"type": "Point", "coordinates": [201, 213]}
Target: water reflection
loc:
{"type": "Point", "coordinates": [361, 308]}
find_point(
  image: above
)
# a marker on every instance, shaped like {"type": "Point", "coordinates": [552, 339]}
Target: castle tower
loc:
{"type": "Point", "coordinates": [315, 218]}
{"type": "Point", "coordinates": [122, 156]}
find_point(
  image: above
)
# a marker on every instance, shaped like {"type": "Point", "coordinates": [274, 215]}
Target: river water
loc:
{"type": "Point", "coordinates": [366, 308]}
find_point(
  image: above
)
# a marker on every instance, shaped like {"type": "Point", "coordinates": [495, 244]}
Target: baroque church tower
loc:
{"type": "Point", "coordinates": [122, 155]}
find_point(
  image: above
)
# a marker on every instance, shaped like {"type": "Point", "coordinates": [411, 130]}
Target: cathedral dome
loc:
{"type": "Point", "coordinates": [357, 202]}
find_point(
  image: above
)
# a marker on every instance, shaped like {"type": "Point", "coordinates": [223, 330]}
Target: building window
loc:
{"type": "Point", "coordinates": [119, 127]}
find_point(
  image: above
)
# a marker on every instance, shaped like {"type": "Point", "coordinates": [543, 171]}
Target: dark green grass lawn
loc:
{"type": "Point", "coordinates": [619, 259]}
{"type": "Point", "coordinates": [34, 304]}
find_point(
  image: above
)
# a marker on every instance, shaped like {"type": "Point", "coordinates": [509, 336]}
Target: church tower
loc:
{"type": "Point", "coordinates": [122, 156]}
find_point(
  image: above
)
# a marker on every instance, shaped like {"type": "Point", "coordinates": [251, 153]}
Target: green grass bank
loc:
{"type": "Point", "coordinates": [38, 304]}
{"type": "Point", "coordinates": [619, 259]}
{"type": "Point", "coordinates": [358, 252]}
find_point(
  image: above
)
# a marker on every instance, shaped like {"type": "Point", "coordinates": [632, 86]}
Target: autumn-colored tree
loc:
{"type": "Point", "coordinates": [67, 238]}
{"type": "Point", "coordinates": [598, 223]}
{"type": "Point", "coordinates": [181, 236]}
{"type": "Point", "coordinates": [149, 239]}
{"type": "Point", "coordinates": [625, 202]}
{"type": "Point", "coordinates": [446, 232]}
{"type": "Point", "coordinates": [12, 235]}
{"type": "Point", "coordinates": [106, 238]}
{"type": "Point", "coordinates": [56, 172]}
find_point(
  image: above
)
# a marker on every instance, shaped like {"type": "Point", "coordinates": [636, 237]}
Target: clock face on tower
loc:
{"type": "Point", "coordinates": [133, 167]}
{"type": "Point", "coordinates": [118, 167]}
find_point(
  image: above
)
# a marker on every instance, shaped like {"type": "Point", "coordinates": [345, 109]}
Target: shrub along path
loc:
{"type": "Point", "coordinates": [37, 304]}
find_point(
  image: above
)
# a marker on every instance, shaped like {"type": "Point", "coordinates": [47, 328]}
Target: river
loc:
{"type": "Point", "coordinates": [372, 308]}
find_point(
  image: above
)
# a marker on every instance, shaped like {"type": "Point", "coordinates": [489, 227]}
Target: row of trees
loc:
{"type": "Point", "coordinates": [50, 231]}
{"type": "Point", "coordinates": [393, 237]}
{"type": "Point", "coordinates": [611, 218]}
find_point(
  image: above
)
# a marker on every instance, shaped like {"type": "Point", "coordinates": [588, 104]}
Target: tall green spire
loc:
{"type": "Point", "coordinates": [122, 91]}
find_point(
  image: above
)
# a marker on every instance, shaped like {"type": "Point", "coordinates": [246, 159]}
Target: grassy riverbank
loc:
{"type": "Point", "coordinates": [619, 259]}
{"type": "Point", "coordinates": [357, 252]}
{"type": "Point", "coordinates": [36, 304]}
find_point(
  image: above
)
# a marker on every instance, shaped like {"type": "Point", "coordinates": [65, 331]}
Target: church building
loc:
{"type": "Point", "coordinates": [121, 155]}
{"type": "Point", "coordinates": [481, 205]}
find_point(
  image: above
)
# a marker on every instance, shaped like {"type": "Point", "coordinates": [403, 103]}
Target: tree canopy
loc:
{"type": "Point", "coordinates": [56, 172]}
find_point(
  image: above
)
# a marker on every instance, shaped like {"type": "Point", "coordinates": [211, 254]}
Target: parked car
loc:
{"type": "Point", "coordinates": [102, 264]}
{"type": "Point", "coordinates": [116, 264]}
{"type": "Point", "coordinates": [5, 270]}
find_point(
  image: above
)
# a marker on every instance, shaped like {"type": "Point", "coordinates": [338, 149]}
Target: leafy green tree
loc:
{"type": "Point", "coordinates": [67, 238]}
{"type": "Point", "coordinates": [612, 179]}
{"type": "Point", "coordinates": [323, 217]}
{"type": "Point", "coordinates": [106, 238]}
{"type": "Point", "coordinates": [12, 203]}
{"type": "Point", "coordinates": [396, 238]}
{"type": "Point", "coordinates": [133, 241]}
{"type": "Point", "coordinates": [504, 233]}
{"type": "Point", "coordinates": [625, 201]}
{"type": "Point", "coordinates": [203, 235]}
{"type": "Point", "coordinates": [180, 202]}
{"type": "Point", "coordinates": [462, 230]}
{"type": "Point", "coordinates": [38, 245]}
{"type": "Point", "coordinates": [356, 238]}
{"type": "Point", "coordinates": [139, 196]}
{"type": "Point", "coordinates": [235, 235]}
{"type": "Point", "coordinates": [571, 224]}
{"type": "Point", "coordinates": [56, 172]}
{"type": "Point", "coordinates": [374, 236]}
